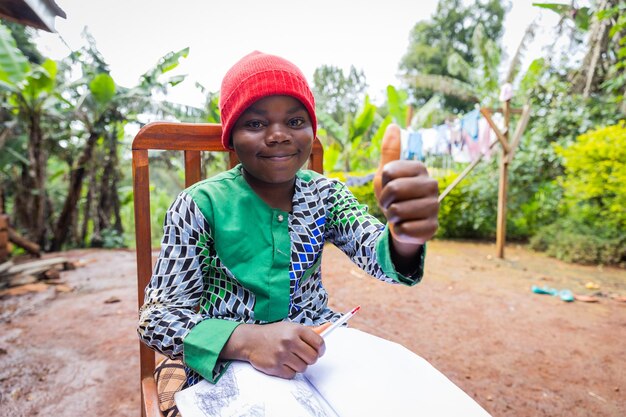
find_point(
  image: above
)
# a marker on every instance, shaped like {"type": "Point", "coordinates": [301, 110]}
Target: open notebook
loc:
{"type": "Point", "coordinates": [359, 375]}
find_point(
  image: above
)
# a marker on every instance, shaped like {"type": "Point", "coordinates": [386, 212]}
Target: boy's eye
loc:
{"type": "Point", "coordinates": [254, 124]}
{"type": "Point", "coordinates": [297, 122]}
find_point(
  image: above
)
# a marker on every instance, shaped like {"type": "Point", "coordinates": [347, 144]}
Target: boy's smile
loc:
{"type": "Point", "coordinates": [273, 140]}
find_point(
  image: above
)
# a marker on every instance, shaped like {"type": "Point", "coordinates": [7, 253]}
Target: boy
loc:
{"type": "Point", "coordinates": [245, 246]}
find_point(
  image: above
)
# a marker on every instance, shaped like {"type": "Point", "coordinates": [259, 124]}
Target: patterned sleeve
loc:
{"type": "Point", "coordinates": [364, 238]}
{"type": "Point", "coordinates": [175, 289]}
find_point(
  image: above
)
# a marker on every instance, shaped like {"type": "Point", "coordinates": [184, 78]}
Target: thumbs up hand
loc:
{"type": "Point", "coordinates": [407, 196]}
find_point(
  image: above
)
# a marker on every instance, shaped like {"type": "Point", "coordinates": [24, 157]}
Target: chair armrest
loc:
{"type": "Point", "coordinates": [150, 398]}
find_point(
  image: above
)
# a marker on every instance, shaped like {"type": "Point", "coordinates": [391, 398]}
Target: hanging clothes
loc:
{"type": "Point", "coordinates": [506, 92]}
{"type": "Point", "coordinates": [411, 145]}
{"type": "Point", "coordinates": [415, 146]}
{"type": "Point", "coordinates": [464, 139]}
{"type": "Point", "coordinates": [485, 136]}
{"type": "Point", "coordinates": [458, 148]}
{"type": "Point", "coordinates": [469, 132]}
{"type": "Point", "coordinates": [429, 141]}
{"type": "Point", "coordinates": [443, 140]}
{"type": "Point", "coordinates": [469, 124]}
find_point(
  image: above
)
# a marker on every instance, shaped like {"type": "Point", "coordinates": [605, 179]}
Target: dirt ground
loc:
{"type": "Point", "coordinates": [474, 317]}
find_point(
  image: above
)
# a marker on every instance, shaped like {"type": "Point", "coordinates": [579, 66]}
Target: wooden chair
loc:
{"type": "Point", "coordinates": [192, 139]}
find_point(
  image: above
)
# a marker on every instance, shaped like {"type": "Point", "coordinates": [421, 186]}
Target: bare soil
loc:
{"type": "Point", "coordinates": [474, 317]}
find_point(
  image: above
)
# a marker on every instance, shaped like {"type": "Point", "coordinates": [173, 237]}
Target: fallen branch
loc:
{"type": "Point", "coordinates": [35, 267]}
{"type": "Point", "coordinates": [30, 246]}
{"type": "Point", "coordinates": [5, 266]}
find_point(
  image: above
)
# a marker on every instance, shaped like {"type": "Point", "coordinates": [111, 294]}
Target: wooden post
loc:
{"type": "Point", "coordinates": [502, 186]}
{"type": "Point", "coordinates": [508, 148]}
{"type": "Point", "coordinates": [4, 230]}
{"type": "Point", "coordinates": [4, 237]}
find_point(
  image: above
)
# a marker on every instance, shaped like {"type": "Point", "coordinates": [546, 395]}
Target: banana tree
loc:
{"type": "Point", "coordinates": [482, 76]}
{"type": "Point", "coordinates": [103, 109]}
{"type": "Point", "coordinates": [403, 115]}
{"type": "Point", "coordinates": [356, 143]}
{"type": "Point", "coordinates": [29, 92]}
{"type": "Point", "coordinates": [348, 145]}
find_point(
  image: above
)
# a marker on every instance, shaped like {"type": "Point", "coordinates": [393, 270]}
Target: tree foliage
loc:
{"type": "Point", "coordinates": [348, 120]}
{"type": "Point", "coordinates": [347, 144]}
{"type": "Point", "coordinates": [604, 26]}
{"type": "Point", "coordinates": [69, 117]}
{"type": "Point", "coordinates": [30, 97]}
{"type": "Point", "coordinates": [22, 36]}
{"type": "Point", "coordinates": [436, 45]}
{"type": "Point", "coordinates": [336, 93]}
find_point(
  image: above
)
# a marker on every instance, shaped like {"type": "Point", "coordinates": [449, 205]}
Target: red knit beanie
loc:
{"type": "Point", "coordinates": [255, 76]}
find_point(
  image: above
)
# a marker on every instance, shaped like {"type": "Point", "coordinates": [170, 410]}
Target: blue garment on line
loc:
{"type": "Point", "coordinates": [469, 124]}
{"type": "Point", "coordinates": [415, 146]}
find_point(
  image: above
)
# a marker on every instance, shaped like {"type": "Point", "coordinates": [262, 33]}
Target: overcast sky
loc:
{"type": "Point", "coordinates": [371, 35]}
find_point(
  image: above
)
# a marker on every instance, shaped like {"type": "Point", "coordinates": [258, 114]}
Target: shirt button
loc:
{"type": "Point", "coordinates": [280, 218]}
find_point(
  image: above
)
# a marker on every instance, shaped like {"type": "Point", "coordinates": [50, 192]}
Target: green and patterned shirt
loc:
{"type": "Point", "coordinates": [228, 258]}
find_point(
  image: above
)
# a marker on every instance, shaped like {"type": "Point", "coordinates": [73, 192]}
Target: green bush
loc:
{"type": "Point", "coordinates": [579, 243]}
{"type": "Point", "coordinates": [534, 197]}
{"type": "Point", "coordinates": [592, 223]}
{"type": "Point", "coordinates": [469, 210]}
{"type": "Point", "coordinates": [112, 239]}
{"type": "Point", "coordinates": [595, 176]}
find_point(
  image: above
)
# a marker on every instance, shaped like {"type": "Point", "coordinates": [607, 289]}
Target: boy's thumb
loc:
{"type": "Point", "coordinates": [391, 149]}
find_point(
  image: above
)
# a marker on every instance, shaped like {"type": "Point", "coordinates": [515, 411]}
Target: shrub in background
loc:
{"type": "Point", "coordinates": [112, 239]}
{"type": "Point", "coordinates": [573, 241]}
{"type": "Point", "coordinates": [592, 225]}
{"type": "Point", "coordinates": [595, 176]}
{"type": "Point", "coordinates": [469, 210]}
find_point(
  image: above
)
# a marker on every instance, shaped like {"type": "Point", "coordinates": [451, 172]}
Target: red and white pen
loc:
{"type": "Point", "coordinates": [339, 322]}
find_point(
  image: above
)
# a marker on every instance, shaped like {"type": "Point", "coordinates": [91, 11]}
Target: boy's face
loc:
{"type": "Point", "coordinates": [273, 139]}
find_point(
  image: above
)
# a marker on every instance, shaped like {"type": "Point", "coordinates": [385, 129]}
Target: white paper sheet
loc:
{"type": "Point", "coordinates": [364, 375]}
{"type": "Point", "coordinates": [360, 375]}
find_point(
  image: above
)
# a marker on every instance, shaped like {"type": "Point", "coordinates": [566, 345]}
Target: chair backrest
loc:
{"type": "Point", "coordinates": [192, 139]}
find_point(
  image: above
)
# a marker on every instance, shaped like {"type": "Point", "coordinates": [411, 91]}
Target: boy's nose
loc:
{"type": "Point", "coordinates": [278, 134]}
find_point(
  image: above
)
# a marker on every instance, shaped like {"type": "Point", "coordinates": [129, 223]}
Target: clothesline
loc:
{"type": "Point", "coordinates": [468, 140]}
{"type": "Point", "coordinates": [462, 139]}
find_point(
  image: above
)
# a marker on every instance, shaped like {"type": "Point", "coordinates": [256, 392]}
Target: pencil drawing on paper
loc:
{"type": "Point", "coordinates": [213, 402]}
{"type": "Point", "coordinates": [306, 398]}
{"type": "Point", "coordinates": [250, 410]}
